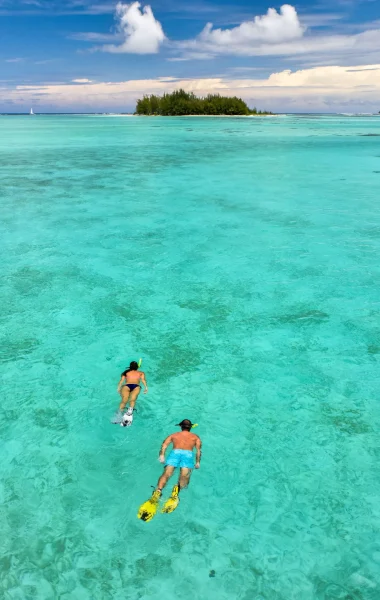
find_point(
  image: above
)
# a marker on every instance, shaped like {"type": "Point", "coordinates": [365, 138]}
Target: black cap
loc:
{"type": "Point", "coordinates": [185, 424]}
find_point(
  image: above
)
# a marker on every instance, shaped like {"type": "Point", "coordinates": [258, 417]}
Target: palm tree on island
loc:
{"type": "Point", "coordinates": [181, 103]}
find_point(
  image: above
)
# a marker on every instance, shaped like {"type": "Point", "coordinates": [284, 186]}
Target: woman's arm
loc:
{"type": "Point", "coordinates": [143, 380]}
{"type": "Point", "coordinates": [120, 384]}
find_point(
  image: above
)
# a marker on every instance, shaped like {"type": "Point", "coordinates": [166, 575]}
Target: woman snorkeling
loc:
{"type": "Point", "coordinates": [129, 386]}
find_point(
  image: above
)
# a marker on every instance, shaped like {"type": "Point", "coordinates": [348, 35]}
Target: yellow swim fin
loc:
{"type": "Point", "coordinates": [172, 503]}
{"type": "Point", "coordinates": [149, 508]}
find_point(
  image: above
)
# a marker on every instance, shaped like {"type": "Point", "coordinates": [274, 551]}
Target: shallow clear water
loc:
{"type": "Point", "coordinates": [240, 259]}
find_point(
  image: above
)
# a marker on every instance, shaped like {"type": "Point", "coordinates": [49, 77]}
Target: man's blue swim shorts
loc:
{"type": "Point", "coordinates": [180, 458]}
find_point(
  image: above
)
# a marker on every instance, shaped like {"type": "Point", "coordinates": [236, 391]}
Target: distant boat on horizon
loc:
{"type": "Point", "coordinates": [31, 111]}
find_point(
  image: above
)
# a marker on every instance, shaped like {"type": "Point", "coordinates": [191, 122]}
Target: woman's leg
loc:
{"type": "Point", "coordinates": [125, 391]}
{"type": "Point", "coordinates": [134, 395]}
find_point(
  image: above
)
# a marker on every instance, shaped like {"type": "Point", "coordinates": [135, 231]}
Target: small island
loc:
{"type": "Point", "coordinates": [181, 103]}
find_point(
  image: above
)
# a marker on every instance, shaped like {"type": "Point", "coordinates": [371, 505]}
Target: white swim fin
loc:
{"type": "Point", "coordinates": [127, 419]}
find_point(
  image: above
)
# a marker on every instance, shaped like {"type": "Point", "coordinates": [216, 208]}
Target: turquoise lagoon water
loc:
{"type": "Point", "coordinates": [240, 259]}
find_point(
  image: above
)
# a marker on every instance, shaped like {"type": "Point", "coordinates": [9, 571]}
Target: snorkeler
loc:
{"type": "Point", "coordinates": [129, 388]}
{"type": "Point", "coordinates": [181, 456]}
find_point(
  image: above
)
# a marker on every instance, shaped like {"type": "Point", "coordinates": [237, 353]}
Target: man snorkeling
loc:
{"type": "Point", "coordinates": [184, 442]}
{"type": "Point", "coordinates": [129, 387]}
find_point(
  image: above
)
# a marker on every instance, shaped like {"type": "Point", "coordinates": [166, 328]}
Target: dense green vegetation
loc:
{"type": "Point", "coordinates": [187, 103]}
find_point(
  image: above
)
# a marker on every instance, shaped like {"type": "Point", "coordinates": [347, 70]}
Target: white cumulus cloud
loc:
{"type": "Point", "coordinates": [273, 28]}
{"type": "Point", "coordinates": [275, 33]}
{"type": "Point", "coordinates": [141, 31]}
{"type": "Point", "coordinates": [282, 34]}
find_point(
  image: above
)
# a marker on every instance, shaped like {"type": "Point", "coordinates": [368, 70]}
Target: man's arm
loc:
{"type": "Point", "coordinates": [198, 445]}
{"type": "Point", "coordinates": [165, 444]}
{"type": "Point", "coordinates": [142, 377]}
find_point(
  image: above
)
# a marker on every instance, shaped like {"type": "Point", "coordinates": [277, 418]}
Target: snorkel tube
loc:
{"type": "Point", "coordinates": [186, 424]}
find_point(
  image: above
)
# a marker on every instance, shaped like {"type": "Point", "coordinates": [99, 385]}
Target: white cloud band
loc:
{"type": "Point", "coordinates": [321, 88]}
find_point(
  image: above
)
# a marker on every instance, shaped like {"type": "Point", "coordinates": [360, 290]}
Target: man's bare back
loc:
{"type": "Point", "coordinates": [183, 440]}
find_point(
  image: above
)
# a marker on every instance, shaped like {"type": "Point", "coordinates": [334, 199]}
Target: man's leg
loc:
{"type": "Point", "coordinates": [124, 397]}
{"type": "Point", "coordinates": [183, 481]}
{"type": "Point", "coordinates": [184, 478]}
{"type": "Point", "coordinates": [149, 508]}
{"type": "Point", "coordinates": [133, 397]}
{"type": "Point", "coordinates": [168, 472]}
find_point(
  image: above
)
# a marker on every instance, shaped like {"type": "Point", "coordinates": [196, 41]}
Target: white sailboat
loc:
{"type": "Point", "coordinates": [31, 111]}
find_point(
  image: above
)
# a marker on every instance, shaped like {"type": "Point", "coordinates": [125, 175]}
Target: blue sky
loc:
{"type": "Point", "coordinates": [88, 55]}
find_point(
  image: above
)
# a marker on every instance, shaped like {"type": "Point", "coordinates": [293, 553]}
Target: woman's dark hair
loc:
{"type": "Point", "coordinates": [133, 366]}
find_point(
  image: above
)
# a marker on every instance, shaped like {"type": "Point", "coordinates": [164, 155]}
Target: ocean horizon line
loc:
{"type": "Point", "coordinates": [130, 114]}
